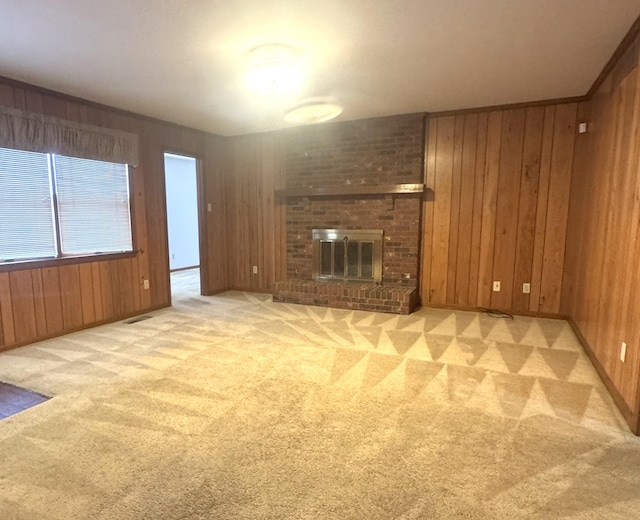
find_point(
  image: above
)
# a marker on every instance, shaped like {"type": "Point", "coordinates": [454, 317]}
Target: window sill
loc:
{"type": "Point", "coordinates": [25, 265]}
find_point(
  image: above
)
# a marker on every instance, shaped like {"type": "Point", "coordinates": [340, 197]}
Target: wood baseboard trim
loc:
{"type": "Point", "coordinates": [250, 290]}
{"type": "Point", "coordinates": [238, 289]}
{"type": "Point", "coordinates": [217, 291]}
{"type": "Point", "coordinates": [630, 418]}
{"type": "Point", "coordinates": [529, 314]}
{"type": "Point", "coordinates": [5, 348]}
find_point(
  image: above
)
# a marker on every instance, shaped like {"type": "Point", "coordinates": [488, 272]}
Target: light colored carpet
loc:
{"type": "Point", "coordinates": [233, 407]}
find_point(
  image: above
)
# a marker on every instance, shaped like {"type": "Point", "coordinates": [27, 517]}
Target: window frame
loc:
{"type": "Point", "coordinates": [62, 259]}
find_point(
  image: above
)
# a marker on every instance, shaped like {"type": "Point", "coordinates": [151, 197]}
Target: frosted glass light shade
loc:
{"type": "Point", "coordinates": [274, 68]}
{"type": "Point", "coordinates": [313, 111]}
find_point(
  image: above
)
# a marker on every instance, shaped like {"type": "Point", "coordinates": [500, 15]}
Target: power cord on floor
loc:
{"type": "Point", "coordinates": [494, 313]}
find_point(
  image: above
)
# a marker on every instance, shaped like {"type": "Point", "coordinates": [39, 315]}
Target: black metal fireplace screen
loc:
{"type": "Point", "coordinates": [347, 254]}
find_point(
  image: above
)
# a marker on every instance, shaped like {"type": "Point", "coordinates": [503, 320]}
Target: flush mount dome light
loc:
{"type": "Point", "coordinates": [313, 111]}
{"type": "Point", "coordinates": [274, 67]}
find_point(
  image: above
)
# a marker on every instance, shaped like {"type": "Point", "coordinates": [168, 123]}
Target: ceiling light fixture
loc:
{"type": "Point", "coordinates": [314, 110]}
{"type": "Point", "coordinates": [274, 67]}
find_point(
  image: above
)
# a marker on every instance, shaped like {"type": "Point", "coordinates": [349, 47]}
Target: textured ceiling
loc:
{"type": "Point", "coordinates": [184, 61]}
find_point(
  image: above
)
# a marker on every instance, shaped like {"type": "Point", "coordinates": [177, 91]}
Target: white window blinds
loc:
{"type": "Point", "coordinates": [53, 206]}
{"type": "Point", "coordinates": [93, 206]}
{"type": "Point", "coordinates": [26, 210]}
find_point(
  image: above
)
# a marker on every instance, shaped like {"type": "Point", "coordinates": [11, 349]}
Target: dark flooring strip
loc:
{"type": "Point", "coordinates": [14, 399]}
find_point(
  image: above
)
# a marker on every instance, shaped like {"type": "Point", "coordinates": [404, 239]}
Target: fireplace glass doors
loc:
{"type": "Point", "coordinates": [347, 255]}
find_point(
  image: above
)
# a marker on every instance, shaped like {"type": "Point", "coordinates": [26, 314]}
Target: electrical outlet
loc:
{"type": "Point", "coordinates": [173, 257]}
{"type": "Point", "coordinates": [496, 286]}
{"type": "Point", "coordinates": [526, 288]}
{"type": "Point", "coordinates": [145, 284]}
{"type": "Point", "coordinates": [255, 269]}
{"type": "Point", "coordinates": [623, 351]}
{"type": "Point", "coordinates": [209, 207]}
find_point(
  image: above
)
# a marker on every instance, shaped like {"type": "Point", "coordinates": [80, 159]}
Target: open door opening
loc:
{"type": "Point", "coordinates": [181, 183]}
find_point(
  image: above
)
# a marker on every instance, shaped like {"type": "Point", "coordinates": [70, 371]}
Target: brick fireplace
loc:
{"type": "Point", "coordinates": [361, 175]}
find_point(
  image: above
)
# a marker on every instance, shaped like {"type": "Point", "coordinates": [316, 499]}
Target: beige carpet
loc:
{"type": "Point", "coordinates": [233, 407]}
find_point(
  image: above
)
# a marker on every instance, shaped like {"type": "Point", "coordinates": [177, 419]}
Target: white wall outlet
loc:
{"type": "Point", "coordinates": [209, 207]}
{"type": "Point", "coordinates": [496, 286]}
{"type": "Point", "coordinates": [255, 269]}
{"type": "Point", "coordinates": [145, 283]}
{"type": "Point", "coordinates": [526, 288]}
{"type": "Point", "coordinates": [623, 351]}
{"type": "Point", "coordinates": [173, 256]}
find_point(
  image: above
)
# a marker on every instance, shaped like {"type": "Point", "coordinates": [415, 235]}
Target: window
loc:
{"type": "Point", "coordinates": [52, 206]}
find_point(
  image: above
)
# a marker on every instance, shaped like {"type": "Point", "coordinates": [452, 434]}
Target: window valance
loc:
{"type": "Point", "coordinates": [39, 133]}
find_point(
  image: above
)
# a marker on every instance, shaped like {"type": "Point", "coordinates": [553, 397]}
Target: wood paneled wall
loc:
{"type": "Point", "coordinates": [602, 274]}
{"type": "Point", "coordinates": [43, 302]}
{"type": "Point", "coordinates": [256, 231]}
{"type": "Point", "coordinates": [501, 182]}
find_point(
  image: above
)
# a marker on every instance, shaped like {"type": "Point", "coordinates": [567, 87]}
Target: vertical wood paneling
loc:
{"type": "Point", "coordinates": [155, 205]}
{"type": "Point", "coordinates": [1, 327]}
{"type": "Point", "coordinates": [602, 266]}
{"type": "Point", "coordinates": [456, 181]}
{"type": "Point", "coordinates": [6, 310]}
{"type": "Point", "coordinates": [427, 215]}
{"type": "Point", "coordinates": [528, 203]}
{"type": "Point", "coordinates": [86, 294]}
{"type": "Point", "coordinates": [255, 218]}
{"type": "Point", "coordinates": [442, 210]}
{"type": "Point", "coordinates": [541, 209]}
{"type": "Point", "coordinates": [558, 207]}
{"type": "Point", "coordinates": [20, 98]}
{"type": "Point", "coordinates": [106, 284]}
{"type": "Point", "coordinates": [70, 293]}
{"type": "Point", "coordinates": [507, 207]}
{"type": "Point", "coordinates": [52, 300]}
{"type": "Point", "coordinates": [6, 96]}
{"type": "Point", "coordinates": [489, 205]}
{"type": "Point", "coordinates": [465, 226]}
{"type": "Point", "coordinates": [493, 217]}
{"type": "Point", "coordinates": [49, 301]}
{"type": "Point", "coordinates": [125, 287]}
{"type": "Point", "coordinates": [38, 302]}
{"type": "Point", "coordinates": [24, 315]}
{"type": "Point", "coordinates": [135, 286]}
{"type": "Point", "coordinates": [35, 101]}
{"type": "Point", "coordinates": [215, 190]}
{"type": "Point", "coordinates": [96, 279]}
{"type": "Point", "coordinates": [142, 257]}
{"type": "Point", "coordinates": [476, 216]}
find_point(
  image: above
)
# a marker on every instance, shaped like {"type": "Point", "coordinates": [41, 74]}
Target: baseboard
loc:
{"type": "Point", "coordinates": [238, 289]}
{"type": "Point", "coordinates": [630, 418]}
{"type": "Point", "coordinates": [530, 314]}
{"type": "Point", "coordinates": [217, 291]}
{"type": "Point", "coordinates": [250, 290]}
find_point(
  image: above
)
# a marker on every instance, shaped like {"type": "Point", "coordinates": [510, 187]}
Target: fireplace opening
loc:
{"type": "Point", "coordinates": [347, 255]}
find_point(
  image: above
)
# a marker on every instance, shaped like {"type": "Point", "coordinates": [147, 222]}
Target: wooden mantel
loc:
{"type": "Point", "coordinates": [350, 190]}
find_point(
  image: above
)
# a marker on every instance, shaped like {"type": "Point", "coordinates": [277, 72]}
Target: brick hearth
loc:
{"type": "Point", "coordinates": [397, 299]}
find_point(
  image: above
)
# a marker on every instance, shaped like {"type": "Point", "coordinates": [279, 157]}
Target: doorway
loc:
{"type": "Point", "coordinates": [183, 228]}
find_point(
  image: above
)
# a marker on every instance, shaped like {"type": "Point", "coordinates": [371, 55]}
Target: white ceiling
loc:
{"type": "Point", "coordinates": [184, 60]}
